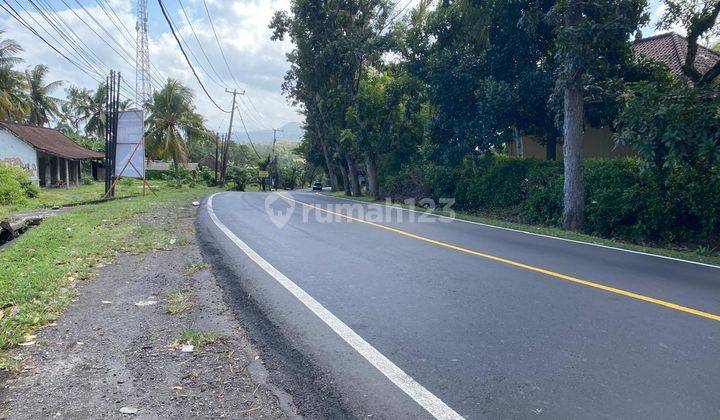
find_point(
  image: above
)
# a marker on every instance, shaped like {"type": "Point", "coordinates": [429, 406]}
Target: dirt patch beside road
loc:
{"type": "Point", "coordinates": [117, 350]}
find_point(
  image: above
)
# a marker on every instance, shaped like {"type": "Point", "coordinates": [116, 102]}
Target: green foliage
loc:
{"type": "Point", "coordinates": [206, 175]}
{"type": "Point", "coordinates": [672, 124]}
{"type": "Point", "coordinates": [15, 185]}
{"type": "Point", "coordinates": [624, 199]}
{"type": "Point", "coordinates": [239, 176]}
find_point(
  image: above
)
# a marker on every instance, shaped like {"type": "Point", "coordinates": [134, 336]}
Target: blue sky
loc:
{"type": "Point", "coordinates": [257, 64]}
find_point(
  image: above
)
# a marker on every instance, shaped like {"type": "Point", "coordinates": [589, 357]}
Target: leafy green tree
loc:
{"type": "Point", "coordinates": [92, 109]}
{"type": "Point", "coordinates": [332, 41]}
{"type": "Point", "coordinates": [672, 124]}
{"type": "Point", "coordinates": [13, 99]}
{"type": "Point", "coordinates": [171, 120]}
{"type": "Point", "coordinates": [592, 45]}
{"type": "Point", "coordinates": [71, 114]}
{"type": "Point", "coordinates": [488, 68]}
{"type": "Point", "coordinates": [386, 117]}
{"type": "Point", "coordinates": [42, 106]}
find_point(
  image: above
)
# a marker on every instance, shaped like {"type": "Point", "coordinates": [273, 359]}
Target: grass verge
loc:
{"type": "Point", "coordinates": [699, 255]}
{"type": "Point", "coordinates": [177, 303]}
{"type": "Point", "coordinates": [38, 270]}
{"type": "Point", "coordinates": [196, 338]}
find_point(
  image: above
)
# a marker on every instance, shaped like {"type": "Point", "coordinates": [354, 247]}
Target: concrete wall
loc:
{"type": "Point", "coordinates": [16, 152]}
{"type": "Point", "coordinates": [597, 142]}
{"type": "Point", "coordinates": [159, 165]}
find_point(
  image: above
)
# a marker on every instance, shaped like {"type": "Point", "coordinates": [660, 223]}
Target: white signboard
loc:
{"type": "Point", "coordinates": [130, 149]}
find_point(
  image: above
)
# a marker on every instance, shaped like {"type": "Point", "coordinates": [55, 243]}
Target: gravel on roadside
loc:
{"type": "Point", "coordinates": [149, 337]}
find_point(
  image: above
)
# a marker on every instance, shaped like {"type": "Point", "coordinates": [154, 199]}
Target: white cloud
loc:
{"type": "Point", "coordinates": [257, 63]}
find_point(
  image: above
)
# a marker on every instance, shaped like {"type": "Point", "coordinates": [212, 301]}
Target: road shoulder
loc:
{"type": "Point", "coordinates": [117, 350]}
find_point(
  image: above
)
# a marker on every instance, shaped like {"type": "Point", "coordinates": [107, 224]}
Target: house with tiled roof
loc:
{"type": "Point", "coordinates": [48, 156]}
{"type": "Point", "coordinates": [669, 48]}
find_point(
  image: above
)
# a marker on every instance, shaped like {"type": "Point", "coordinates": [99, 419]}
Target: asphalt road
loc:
{"type": "Point", "coordinates": [492, 323]}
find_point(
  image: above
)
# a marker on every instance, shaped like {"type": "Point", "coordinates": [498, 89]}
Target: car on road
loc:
{"type": "Point", "coordinates": [317, 186]}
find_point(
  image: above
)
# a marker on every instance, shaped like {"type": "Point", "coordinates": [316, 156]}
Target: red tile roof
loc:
{"type": "Point", "coordinates": [671, 48]}
{"type": "Point", "coordinates": [50, 141]}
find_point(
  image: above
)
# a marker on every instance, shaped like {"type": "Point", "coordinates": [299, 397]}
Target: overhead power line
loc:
{"type": "Point", "coordinates": [130, 38]}
{"type": "Point", "coordinates": [217, 40]}
{"type": "Point", "coordinates": [248, 134]}
{"type": "Point", "coordinates": [16, 15]}
{"type": "Point", "coordinates": [66, 30]}
{"type": "Point", "coordinates": [202, 50]}
{"type": "Point", "coordinates": [172, 29]}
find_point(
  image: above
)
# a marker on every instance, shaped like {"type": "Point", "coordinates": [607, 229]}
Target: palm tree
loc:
{"type": "Point", "coordinates": [92, 109]}
{"type": "Point", "coordinates": [42, 105]}
{"type": "Point", "coordinates": [71, 112]}
{"type": "Point", "coordinates": [172, 119]}
{"type": "Point", "coordinates": [13, 101]}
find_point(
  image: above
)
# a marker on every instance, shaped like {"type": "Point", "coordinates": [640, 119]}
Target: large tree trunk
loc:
{"type": "Point", "coordinates": [345, 179]}
{"type": "Point", "coordinates": [353, 175]}
{"type": "Point", "coordinates": [328, 163]}
{"type": "Point", "coordinates": [574, 185]}
{"type": "Point", "coordinates": [372, 175]}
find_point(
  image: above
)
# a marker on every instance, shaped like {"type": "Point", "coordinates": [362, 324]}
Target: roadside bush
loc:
{"type": "Point", "coordinates": [239, 176]}
{"type": "Point", "coordinates": [15, 185]}
{"type": "Point", "coordinates": [624, 198]}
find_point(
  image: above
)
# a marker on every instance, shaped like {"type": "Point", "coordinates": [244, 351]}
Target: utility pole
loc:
{"type": "Point", "coordinates": [217, 150]}
{"type": "Point", "coordinates": [229, 134]}
{"type": "Point", "coordinates": [273, 159]}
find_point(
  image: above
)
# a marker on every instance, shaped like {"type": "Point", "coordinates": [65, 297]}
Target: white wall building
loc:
{"type": "Point", "coordinates": [48, 156]}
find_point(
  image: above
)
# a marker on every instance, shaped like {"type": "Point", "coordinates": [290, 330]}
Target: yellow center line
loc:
{"type": "Point", "coordinates": [516, 263]}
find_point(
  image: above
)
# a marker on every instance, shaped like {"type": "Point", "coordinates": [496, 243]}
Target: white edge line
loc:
{"type": "Point", "coordinates": [402, 380]}
{"type": "Point", "coordinates": [394, 206]}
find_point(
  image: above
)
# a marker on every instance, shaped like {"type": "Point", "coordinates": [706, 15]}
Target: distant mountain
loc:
{"type": "Point", "coordinates": [292, 132]}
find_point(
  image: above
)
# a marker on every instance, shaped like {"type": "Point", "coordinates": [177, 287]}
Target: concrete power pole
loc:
{"type": "Point", "coordinates": [229, 134]}
{"type": "Point", "coordinates": [273, 159]}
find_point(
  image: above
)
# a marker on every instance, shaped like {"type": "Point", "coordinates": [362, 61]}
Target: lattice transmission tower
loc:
{"type": "Point", "coordinates": [143, 86]}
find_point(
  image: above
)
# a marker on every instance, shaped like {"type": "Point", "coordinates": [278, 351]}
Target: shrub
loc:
{"type": "Point", "coordinates": [239, 176]}
{"type": "Point", "coordinates": [624, 198]}
{"type": "Point", "coordinates": [15, 185]}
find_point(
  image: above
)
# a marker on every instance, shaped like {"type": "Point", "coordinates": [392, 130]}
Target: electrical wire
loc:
{"type": "Point", "coordinates": [217, 40]}
{"type": "Point", "coordinates": [172, 29]}
{"type": "Point", "coordinates": [158, 74]}
{"type": "Point", "coordinates": [15, 15]}
{"type": "Point", "coordinates": [246, 133]}
{"type": "Point", "coordinates": [202, 50]}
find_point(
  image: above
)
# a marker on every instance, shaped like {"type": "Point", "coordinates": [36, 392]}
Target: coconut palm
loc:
{"type": "Point", "coordinates": [172, 119]}
{"type": "Point", "coordinates": [91, 107]}
{"type": "Point", "coordinates": [71, 112]}
{"type": "Point", "coordinates": [42, 105]}
{"type": "Point", "coordinates": [13, 101]}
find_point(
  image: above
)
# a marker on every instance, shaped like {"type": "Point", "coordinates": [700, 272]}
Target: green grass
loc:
{"type": "Point", "coordinates": [193, 267]}
{"type": "Point", "coordinates": [50, 197]}
{"type": "Point", "coordinates": [39, 269]}
{"type": "Point", "coordinates": [700, 255]}
{"type": "Point", "coordinates": [177, 303]}
{"type": "Point", "coordinates": [197, 338]}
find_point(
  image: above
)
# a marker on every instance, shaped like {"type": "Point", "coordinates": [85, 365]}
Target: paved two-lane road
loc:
{"type": "Point", "coordinates": [492, 323]}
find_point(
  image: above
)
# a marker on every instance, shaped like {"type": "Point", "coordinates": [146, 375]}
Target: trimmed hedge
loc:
{"type": "Point", "coordinates": [624, 199]}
